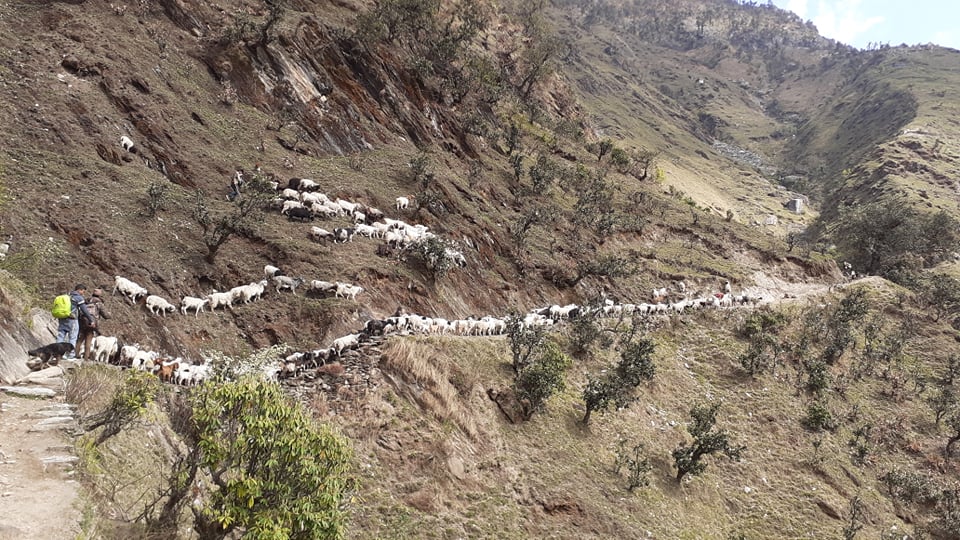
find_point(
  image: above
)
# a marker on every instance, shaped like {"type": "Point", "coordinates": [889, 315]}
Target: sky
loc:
{"type": "Point", "coordinates": [859, 22]}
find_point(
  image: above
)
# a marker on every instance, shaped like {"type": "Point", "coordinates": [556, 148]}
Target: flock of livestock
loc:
{"type": "Point", "coordinates": [179, 371]}
{"type": "Point", "coordinates": [300, 200]}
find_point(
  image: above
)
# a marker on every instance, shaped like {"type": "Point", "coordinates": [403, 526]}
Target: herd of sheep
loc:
{"type": "Point", "coordinates": [301, 200]}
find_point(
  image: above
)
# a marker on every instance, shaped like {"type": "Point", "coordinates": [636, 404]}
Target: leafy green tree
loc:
{"type": "Point", "coordinates": [706, 441]}
{"type": "Point", "coordinates": [525, 341]}
{"type": "Point", "coordinates": [894, 239]}
{"type": "Point", "coordinates": [851, 310]}
{"type": "Point", "coordinates": [761, 329]}
{"type": "Point", "coordinates": [275, 473]}
{"type": "Point", "coordinates": [616, 386]}
{"type": "Point", "coordinates": [941, 293]}
{"type": "Point", "coordinates": [541, 378]}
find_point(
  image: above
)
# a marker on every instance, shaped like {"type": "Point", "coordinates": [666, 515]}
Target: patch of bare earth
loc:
{"type": "Point", "coordinates": [38, 495]}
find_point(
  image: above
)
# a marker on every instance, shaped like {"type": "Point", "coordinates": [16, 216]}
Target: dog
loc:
{"type": "Point", "coordinates": [53, 351]}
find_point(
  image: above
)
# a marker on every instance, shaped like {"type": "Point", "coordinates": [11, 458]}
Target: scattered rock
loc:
{"type": "Point", "coordinates": [28, 391]}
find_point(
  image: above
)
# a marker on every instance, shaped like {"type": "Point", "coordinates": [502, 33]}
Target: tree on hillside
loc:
{"type": "Point", "coordinates": [242, 217]}
{"type": "Point", "coordinates": [540, 379]}
{"type": "Point", "coordinates": [525, 341]}
{"type": "Point", "coordinates": [616, 386]}
{"type": "Point", "coordinates": [274, 472]}
{"type": "Point", "coordinates": [706, 441]}
{"type": "Point", "coordinates": [893, 239]}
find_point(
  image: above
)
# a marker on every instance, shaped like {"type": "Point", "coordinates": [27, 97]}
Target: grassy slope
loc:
{"type": "Point", "coordinates": [545, 478]}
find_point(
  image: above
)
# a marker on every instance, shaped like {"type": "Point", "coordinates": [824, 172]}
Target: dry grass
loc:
{"type": "Point", "coordinates": [424, 376]}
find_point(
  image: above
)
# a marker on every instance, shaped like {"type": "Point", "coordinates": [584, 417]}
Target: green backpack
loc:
{"type": "Point", "coordinates": [62, 306]}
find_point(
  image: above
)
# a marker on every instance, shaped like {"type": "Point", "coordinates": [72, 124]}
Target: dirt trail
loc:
{"type": "Point", "coordinates": [38, 494]}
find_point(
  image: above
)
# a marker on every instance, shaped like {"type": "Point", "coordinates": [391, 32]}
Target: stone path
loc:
{"type": "Point", "coordinates": [38, 492]}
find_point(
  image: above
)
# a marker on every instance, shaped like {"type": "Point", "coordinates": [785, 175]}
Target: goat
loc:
{"type": "Point", "coordinates": [127, 144]}
{"type": "Point", "coordinates": [286, 282]}
{"type": "Point", "coordinates": [343, 235]}
{"type": "Point", "coordinates": [156, 303]}
{"type": "Point", "coordinates": [301, 213]}
{"type": "Point", "coordinates": [167, 369]}
{"type": "Point", "coordinates": [128, 288]}
{"type": "Point", "coordinates": [191, 302]}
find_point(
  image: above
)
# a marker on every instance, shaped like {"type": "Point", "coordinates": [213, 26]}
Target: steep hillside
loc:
{"type": "Point", "coordinates": [574, 152]}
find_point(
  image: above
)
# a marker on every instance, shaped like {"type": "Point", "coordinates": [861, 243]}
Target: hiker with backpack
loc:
{"type": "Point", "coordinates": [90, 329]}
{"type": "Point", "coordinates": [69, 310]}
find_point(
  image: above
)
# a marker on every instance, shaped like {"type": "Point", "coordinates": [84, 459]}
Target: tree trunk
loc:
{"type": "Point", "coordinates": [953, 440]}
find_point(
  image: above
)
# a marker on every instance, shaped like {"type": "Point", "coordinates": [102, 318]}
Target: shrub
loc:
{"type": "Point", "coordinates": [636, 464]}
{"type": "Point", "coordinates": [540, 379]}
{"type": "Point", "coordinates": [616, 386]}
{"type": "Point", "coordinates": [689, 459]}
{"type": "Point", "coordinates": [274, 472]}
{"type": "Point", "coordinates": [819, 417]}
{"type": "Point", "coordinates": [525, 341]}
{"type": "Point", "coordinates": [138, 389]}
{"type": "Point", "coordinates": [156, 197]}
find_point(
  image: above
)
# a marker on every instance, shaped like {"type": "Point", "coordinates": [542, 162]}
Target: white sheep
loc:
{"type": "Point", "coordinates": [127, 144]}
{"type": "Point", "coordinates": [403, 203]}
{"type": "Point", "coordinates": [346, 290]}
{"type": "Point", "coordinates": [322, 286]}
{"type": "Point", "coordinates": [313, 198]}
{"type": "Point", "coordinates": [104, 348]}
{"type": "Point", "coordinates": [270, 270]}
{"type": "Point", "coordinates": [367, 230]}
{"type": "Point", "coordinates": [156, 303]}
{"type": "Point", "coordinates": [194, 303]}
{"type": "Point", "coordinates": [251, 291]}
{"type": "Point", "coordinates": [290, 205]}
{"type": "Point", "coordinates": [128, 288]}
{"type": "Point", "coordinates": [218, 299]}
{"type": "Point", "coordinates": [307, 184]}
{"type": "Point", "coordinates": [347, 206]}
{"type": "Point", "coordinates": [349, 341]}
{"type": "Point", "coordinates": [319, 234]}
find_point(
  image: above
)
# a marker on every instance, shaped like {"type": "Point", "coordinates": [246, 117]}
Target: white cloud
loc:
{"type": "Point", "coordinates": [842, 20]}
{"type": "Point", "coordinates": [945, 38]}
{"type": "Point", "coordinates": [799, 7]}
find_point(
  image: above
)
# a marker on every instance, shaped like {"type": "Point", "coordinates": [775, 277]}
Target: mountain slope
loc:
{"type": "Point", "coordinates": [744, 108]}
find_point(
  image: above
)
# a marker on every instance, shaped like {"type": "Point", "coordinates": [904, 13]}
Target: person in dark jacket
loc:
{"type": "Point", "coordinates": [89, 329]}
{"type": "Point", "coordinates": [69, 328]}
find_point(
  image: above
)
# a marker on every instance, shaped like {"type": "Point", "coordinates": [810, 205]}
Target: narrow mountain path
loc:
{"type": "Point", "coordinates": [38, 492]}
